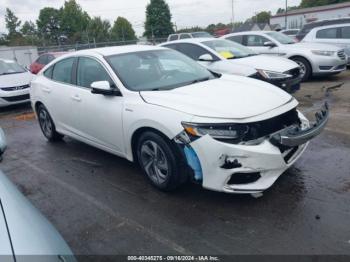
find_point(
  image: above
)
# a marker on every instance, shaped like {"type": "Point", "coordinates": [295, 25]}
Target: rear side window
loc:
{"type": "Point", "coordinates": [345, 32]}
{"type": "Point", "coordinates": [89, 71]}
{"type": "Point", "coordinates": [62, 71]}
{"type": "Point", "coordinates": [329, 33]}
{"type": "Point", "coordinates": [236, 38]}
{"type": "Point", "coordinates": [48, 72]}
{"type": "Point", "coordinates": [50, 58]}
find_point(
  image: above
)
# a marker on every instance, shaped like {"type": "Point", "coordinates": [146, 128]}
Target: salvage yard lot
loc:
{"type": "Point", "coordinates": [102, 204]}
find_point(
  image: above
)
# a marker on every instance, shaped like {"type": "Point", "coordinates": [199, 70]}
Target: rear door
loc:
{"type": "Point", "coordinates": [56, 88]}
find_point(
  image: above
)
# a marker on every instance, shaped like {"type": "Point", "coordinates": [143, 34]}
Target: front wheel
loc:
{"type": "Point", "coordinates": [47, 125]}
{"type": "Point", "coordinates": [160, 162]}
{"type": "Point", "coordinates": [305, 68]}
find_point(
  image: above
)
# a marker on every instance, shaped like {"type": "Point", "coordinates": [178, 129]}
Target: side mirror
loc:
{"type": "Point", "coordinates": [206, 58]}
{"type": "Point", "coordinates": [270, 44]}
{"type": "Point", "coordinates": [3, 143]}
{"type": "Point", "coordinates": [104, 88]}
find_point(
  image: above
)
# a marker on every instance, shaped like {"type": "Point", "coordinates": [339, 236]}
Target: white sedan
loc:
{"type": "Point", "coordinates": [14, 83]}
{"type": "Point", "coordinates": [227, 57]}
{"type": "Point", "coordinates": [161, 109]}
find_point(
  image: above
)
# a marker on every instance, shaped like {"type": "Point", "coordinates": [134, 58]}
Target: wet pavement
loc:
{"type": "Point", "coordinates": [102, 204]}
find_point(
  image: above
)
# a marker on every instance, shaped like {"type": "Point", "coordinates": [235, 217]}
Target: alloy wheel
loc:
{"type": "Point", "coordinates": [154, 162]}
{"type": "Point", "coordinates": [45, 123]}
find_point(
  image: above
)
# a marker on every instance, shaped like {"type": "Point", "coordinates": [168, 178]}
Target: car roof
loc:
{"type": "Point", "coordinates": [116, 50]}
{"type": "Point", "coordinates": [329, 26]}
{"type": "Point", "coordinates": [247, 33]}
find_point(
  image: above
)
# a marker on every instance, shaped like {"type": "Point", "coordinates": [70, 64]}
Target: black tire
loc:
{"type": "Point", "coordinates": [47, 125]}
{"type": "Point", "coordinates": [165, 170]}
{"type": "Point", "coordinates": [305, 66]}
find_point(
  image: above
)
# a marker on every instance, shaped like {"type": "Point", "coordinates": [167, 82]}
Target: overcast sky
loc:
{"type": "Point", "coordinates": [185, 13]}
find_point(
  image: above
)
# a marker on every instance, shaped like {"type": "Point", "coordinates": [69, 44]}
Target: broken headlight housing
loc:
{"type": "Point", "coordinates": [216, 131]}
{"type": "Point", "coordinates": [273, 75]}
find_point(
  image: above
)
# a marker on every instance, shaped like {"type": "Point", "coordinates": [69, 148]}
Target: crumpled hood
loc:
{"type": "Point", "coordinates": [15, 79]}
{"type": "Point", "coordinates": [312, 46]}
{"type": "Point", "coordinates": [271, 63]}
{"type": "Point", "coordinates": [230, 97]}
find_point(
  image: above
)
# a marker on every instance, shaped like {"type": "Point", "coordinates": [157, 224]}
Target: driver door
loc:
{"type": "Point", "coordinates": [98, 118]}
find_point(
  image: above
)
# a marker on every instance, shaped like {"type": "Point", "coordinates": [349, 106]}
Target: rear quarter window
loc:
{"type": "Point", "coordinates": [236, 38]}
{"type": "Point", "coordinates": [48, 72]}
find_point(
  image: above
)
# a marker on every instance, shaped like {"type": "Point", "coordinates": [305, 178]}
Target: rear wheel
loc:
{"type": "Point", "coordinates": [47, 125]}
{"type": "Point", "coordinates": [160, 161]}
{"type": "Point", "coordinates": [305, 67]}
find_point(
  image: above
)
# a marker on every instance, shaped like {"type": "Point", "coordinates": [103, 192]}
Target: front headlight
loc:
{"type": "Point", "coordinates": [323, 53]}
{"type": "Point", "coordinates": [273, 75]}
{"type": "Point", "coordinates": [218, 131]}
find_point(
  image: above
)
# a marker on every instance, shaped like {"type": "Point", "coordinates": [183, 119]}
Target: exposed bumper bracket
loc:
{"type": "Point", "coordinates": [294, 136]}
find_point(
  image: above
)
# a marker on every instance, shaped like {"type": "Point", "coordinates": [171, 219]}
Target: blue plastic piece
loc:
{"type": "Point", "coordinates": [193, 162]}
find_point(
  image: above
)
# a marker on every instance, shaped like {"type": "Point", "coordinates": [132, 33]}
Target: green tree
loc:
{"type": "Point", "coordinates": [98, 29]}
{"type": "Point", "coordinates": [122, 30]}
{"type": "Point", "coordinates": [158, 20]}
{"type": "Point", "coordinates": [29, 32]}
{"type": "Point", "coordinates": [262, 17]}
{"type": "Point", "coordinates": [74, 22]}
{"type": "Point", "coordinates": [12, 25]}
{"type": "Point", "coordinates": [49, 24]}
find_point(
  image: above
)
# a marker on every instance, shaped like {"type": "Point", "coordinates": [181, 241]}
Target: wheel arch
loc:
{"type": "Point", "coordinates": [303, 57]}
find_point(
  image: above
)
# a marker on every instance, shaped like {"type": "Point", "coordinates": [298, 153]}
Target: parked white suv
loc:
{"type": "Point", "coordinates": [223, 56]}
{"type": "Point", "coordinates": [179, 121]}
{"type": "Point", "coordinates": [338, 35]}
{"type": "Point", "coordinates": [313, 58]}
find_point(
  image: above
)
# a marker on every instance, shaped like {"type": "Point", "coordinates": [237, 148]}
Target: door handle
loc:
{"type": "Point", "coordinates": [47, 90]}
{"type": "Point", "coordinates": [76, 98]}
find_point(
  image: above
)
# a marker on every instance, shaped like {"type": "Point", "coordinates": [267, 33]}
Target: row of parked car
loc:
{"type": "Point", "coordinates": [206, 110]}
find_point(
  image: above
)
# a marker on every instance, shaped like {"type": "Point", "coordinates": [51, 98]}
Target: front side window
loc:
{"type": "Point", "coordinates": [281, 38]}
{"type": "Point", "coordinates": [62, 71]}
{"type": "Point", "coordinates": [157, 70]}
{"type": "Point", "coordinates": [89, 71]}
{"type": "Point", "coordinates": [8, 67]}
{"type": "Point", "coordinates": [256, 40]}
{"type": "Point", "coordinates": [229, 49]}
{"type": "Point", "coordinates": [329, 33]}
{"type": "Point", "coordinates": [345, 32]}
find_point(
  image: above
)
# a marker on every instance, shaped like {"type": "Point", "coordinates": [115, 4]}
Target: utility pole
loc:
{"type": "Point", "coordinates": [233, 16]}
{"type": "Point", "coordinates": [285, 17]}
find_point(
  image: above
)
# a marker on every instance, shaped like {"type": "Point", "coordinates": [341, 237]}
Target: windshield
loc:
{"type": "Point", "coordinates": [157, 70]}
{"type": "Point", "coordinates": [8, 67]}
{"type": "Point", "coordinates": [282, 38]}
{"type": "Point", "coordinates": [229, 49]}
{"type": "Point", "coordinates": [201, 34]}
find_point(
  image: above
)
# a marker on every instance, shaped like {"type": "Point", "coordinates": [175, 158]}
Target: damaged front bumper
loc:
{"type": "Point", "coordinates": [251, 167]}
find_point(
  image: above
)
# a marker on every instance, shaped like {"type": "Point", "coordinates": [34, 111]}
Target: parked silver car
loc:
{"type": "Point", "coordinates": [338, 35]}
{"type": "Point", "coordinates": [314, 59]}
{"type": "Point", "coordinates": [25, 234]}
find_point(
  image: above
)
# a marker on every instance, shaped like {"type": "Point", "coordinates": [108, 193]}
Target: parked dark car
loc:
{"type": "Point", "coordinates": [308, 27]}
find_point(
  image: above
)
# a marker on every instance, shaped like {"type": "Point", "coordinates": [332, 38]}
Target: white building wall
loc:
{"type": "Point", "coordinates": [298, 20]}
{"type": "Point", "coordinates": [24, 55]}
